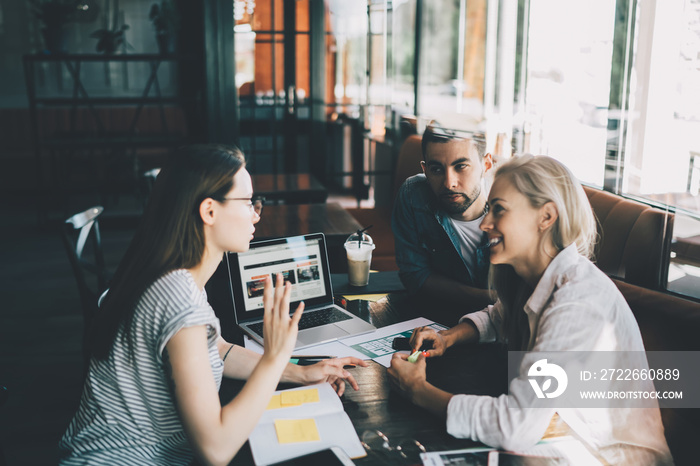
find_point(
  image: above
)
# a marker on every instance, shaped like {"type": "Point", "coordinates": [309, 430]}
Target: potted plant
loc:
{"type": "Point", "coordinates": [108, 40]}
{"type": "Point", "coordinates": [54, 15]}
{"type": "Point", "coordinates": [165, 22]}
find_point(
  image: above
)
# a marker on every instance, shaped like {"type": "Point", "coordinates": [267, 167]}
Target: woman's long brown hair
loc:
{"type": "Point", "coordinates": [169, 237]}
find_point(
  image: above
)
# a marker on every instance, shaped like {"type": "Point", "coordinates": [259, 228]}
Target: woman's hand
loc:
{"type": "Point", "coordinates": [425, 334]}
{"type": "Point", "coordinates": [407, 377]}
{"type": "Point", "coordinates": [279, 330]}
{"type": "Point", "coordinates": [331, 370]}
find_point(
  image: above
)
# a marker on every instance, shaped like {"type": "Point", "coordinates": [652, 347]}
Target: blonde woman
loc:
{"type": "Point", "coordinates": [550, 298]}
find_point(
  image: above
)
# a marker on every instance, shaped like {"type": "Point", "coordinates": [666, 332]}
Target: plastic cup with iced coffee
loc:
{"type": "Point", "coordinates": [359, 247]}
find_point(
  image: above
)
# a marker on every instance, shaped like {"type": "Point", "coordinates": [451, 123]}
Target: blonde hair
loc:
{"type": "Point", "coordinates": [541, 180]}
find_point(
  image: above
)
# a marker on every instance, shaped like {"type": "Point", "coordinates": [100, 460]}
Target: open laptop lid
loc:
{"type": "Point", "coordinates": [301, 259]}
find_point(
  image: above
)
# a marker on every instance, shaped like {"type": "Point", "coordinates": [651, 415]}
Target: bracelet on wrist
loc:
{"type": "Point", "coordinates": [227, 352]}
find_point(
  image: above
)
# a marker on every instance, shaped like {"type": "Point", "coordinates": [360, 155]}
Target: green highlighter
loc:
{"type": "Point", "coordinates": [414, 356]}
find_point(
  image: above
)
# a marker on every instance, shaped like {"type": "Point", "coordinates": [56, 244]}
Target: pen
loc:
{"type": "Point", "coordinates": [307, 360]}
{"type": "Point", "coordinates": [311, 356]}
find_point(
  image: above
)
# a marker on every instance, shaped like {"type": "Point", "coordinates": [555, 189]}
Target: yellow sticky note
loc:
{"type": "Point", "coordinates": [276, 403]}
{"type": "Point", "coordinates": [367, 297]}
{"type": "Point", "coordinates": [296, 430]}
{"type": "Point", "coordinates": [298, 397]}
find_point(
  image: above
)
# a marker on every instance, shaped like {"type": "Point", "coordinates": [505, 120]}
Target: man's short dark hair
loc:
{"type": "Point", "coordinates": [434, 133]}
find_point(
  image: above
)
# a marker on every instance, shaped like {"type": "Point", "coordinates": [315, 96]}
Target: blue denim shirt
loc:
{"type": "Point", "coordinates": [426, 242]}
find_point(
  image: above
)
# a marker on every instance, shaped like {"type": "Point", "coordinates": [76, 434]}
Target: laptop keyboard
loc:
{"type": "Point", "coordinates": [328, 315]}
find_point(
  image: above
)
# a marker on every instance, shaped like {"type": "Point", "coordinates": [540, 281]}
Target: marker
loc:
{"type": "Point", "coordinates": [414, 356]}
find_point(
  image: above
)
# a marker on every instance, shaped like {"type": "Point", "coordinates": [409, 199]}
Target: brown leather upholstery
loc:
{"type": "Point", "coordinates": [407, 164]}
{"type": "Point", "coordinates": [634, 239]}
{"type": "Point", "coordinates": [669, 323]}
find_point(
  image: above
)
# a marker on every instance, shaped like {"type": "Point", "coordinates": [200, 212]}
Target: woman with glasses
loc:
{"type": "Point", "coordinates": [551, 298]}
{"type": "Point", "coordinates": [157, 355]}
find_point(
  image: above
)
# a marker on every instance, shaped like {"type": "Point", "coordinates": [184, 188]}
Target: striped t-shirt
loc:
{"type": "Point", "coordinates": [127, 412]}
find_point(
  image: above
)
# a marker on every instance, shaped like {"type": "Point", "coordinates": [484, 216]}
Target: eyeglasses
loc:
{"type": "Point", "coordinates": [405, 452]}
{"type": "Point", "coordinates": [256, 203]}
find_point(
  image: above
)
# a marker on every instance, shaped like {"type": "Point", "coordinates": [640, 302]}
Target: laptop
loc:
{"type": "Point", "coordinates": [302, 261]}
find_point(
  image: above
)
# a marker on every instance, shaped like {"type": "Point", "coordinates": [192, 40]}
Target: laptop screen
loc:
{"type": "Point", "coordinates": [301, 260]}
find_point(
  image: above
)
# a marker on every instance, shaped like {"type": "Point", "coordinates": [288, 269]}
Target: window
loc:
{"type": "Point", "coordinates": [609, 87]}
{"type": "Point", "coordinates": [348, 30]}
{"type": "Point", "coordinates": [567, 88]}
{"type": "Point", "coordinates": [452, 62]}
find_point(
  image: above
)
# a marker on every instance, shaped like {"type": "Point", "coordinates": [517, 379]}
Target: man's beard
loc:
{"type": "Point", "coordinates": [459, 208]}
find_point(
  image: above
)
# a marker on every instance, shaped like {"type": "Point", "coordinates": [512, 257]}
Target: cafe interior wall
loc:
{"type": "Point", "coordinates": [20, 35]}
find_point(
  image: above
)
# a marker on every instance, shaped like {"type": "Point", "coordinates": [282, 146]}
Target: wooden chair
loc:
{"type": "Point", "coordinates": [146, 180]}
{"type": "Point", "coordinates": [87, 263]}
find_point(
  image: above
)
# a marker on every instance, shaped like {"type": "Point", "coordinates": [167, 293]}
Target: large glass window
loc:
{"type": "Point", "coordinates": [438, 79]}
{"type": "Point", "coordinates": [662, 128]}
{"type": "Point", "coordinates": [348, 46]}
{"type": "Point", "coordinates": [567, 89]}
{"type": "Point", "coordinates": [402, 54]}
{"type": "Point", "coordinates": [612, 90]}
{"type": "Point", "coordinates": [609, 87]}
{"type": "Point", "coordinates": [452, 62]}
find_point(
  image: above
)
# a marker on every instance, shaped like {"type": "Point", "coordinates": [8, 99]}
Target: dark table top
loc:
{"type": "Point", "coordinates": [297, 188]}
{"type": "Point", "coordinates": [379, 282]}
{"type": "Point", "coordinates": [479, 369]}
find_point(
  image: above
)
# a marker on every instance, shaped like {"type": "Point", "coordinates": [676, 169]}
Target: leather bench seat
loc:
{"type": "Point", "coordinates": [634, 239]}
{"type": "Point", "coordinates": [670, 323]}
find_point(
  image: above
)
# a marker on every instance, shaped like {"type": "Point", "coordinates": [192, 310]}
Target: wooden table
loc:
{"type": "Point", "coordinates": [297, 188]}
{"type": "Point", "coordinates": [479, 369]}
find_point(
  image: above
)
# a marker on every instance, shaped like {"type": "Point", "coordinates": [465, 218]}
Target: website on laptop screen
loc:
{"type": "Point", "coordinates": [298, 262]}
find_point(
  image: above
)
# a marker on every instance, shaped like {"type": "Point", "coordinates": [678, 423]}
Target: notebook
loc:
{"type": "Point", "coordinates": [302, 420]}
{"type": "Point", "coordinates": [303, 261]}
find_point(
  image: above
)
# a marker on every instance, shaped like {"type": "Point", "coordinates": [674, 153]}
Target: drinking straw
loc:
{"type": "Point", "coordinates": [359, 235]}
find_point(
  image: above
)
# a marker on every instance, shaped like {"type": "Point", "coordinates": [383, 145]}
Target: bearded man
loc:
{"type": "Point", "coordinates": [440, 250]}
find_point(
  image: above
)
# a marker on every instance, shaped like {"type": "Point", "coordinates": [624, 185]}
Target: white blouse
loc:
{"type": "Point", "coordinates": [575, 307]}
